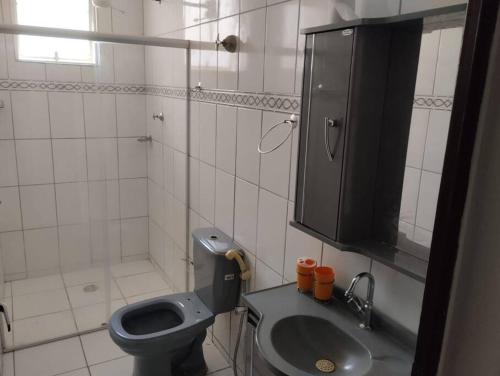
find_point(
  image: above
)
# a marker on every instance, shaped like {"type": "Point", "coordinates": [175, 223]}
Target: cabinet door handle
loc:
{"type": "Point", "coordinates": [329, 123]}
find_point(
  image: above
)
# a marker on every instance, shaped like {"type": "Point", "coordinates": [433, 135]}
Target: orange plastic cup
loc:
{"type": "Point", "coordinates": [324, 277]}
{"type": "Point", "coordinates": [305, 273]}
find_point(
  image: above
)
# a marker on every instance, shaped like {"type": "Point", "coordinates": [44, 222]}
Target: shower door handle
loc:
{"type": "Point", "coordinates": [329, 123]}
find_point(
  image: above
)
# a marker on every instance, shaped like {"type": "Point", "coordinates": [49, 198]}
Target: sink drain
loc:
{"type": "Point", "coordinates": [90, 288]}
{"type": "Point", "coordinates": [325, 365]}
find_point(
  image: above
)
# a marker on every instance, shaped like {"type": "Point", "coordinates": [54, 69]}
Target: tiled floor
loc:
{"type": "Point", "coordinates": [92, 354]}
{"type": "Point", "coordinates": [57, 305]}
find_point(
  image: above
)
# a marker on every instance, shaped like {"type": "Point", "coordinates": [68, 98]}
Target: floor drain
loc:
{"type": "Point", "coordinates": [90, 288]}
{"type": "Point", "coordinates": [325, 365]}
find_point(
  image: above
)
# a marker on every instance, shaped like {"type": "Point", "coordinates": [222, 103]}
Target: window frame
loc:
{"type": "Point", "coordinates": [40, 60]}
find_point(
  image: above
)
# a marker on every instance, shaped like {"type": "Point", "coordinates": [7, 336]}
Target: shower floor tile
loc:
{"type": "Point", "coordinates": [141, 284]}
{"type": "Point", "coordinates": [40, 303]}
{"type": "Point", "coordinates": [44, 327]}
{"type": "Point", "coordinates": [93, 354]}
{"type": "Point", "coordinates": [46, 308]}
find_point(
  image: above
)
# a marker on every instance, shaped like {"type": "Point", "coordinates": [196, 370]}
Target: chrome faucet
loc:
{"type": "Point", "coordinates": [363, 307]}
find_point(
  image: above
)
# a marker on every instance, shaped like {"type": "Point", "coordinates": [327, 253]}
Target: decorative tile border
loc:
{"type": "Point", "coordinates": [262, 101]}
{"type": "Point", "coordinates": [83, 87]}
{"type": "Point", "coordinates": [434, 103]}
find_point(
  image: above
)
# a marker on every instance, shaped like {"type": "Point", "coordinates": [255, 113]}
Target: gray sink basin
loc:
{"type": "Point", "coordinates": [293, 332]}
{"type": "Point", "coordinates": [304, 340]}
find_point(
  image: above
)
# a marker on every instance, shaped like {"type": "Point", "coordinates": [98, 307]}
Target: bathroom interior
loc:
{"type": "Point", "coordinates": [156, 135]}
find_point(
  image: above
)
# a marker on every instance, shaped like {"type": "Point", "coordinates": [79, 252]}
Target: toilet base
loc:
{"type": "Point", "coordinates": [187, 361]}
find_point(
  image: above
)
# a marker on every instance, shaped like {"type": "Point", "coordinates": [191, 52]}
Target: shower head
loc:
{"type": "Point", "coordinates": [105, 4]}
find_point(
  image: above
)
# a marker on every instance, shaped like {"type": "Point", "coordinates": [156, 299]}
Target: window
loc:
{"type": "Point", "coordinates": [64, 14]}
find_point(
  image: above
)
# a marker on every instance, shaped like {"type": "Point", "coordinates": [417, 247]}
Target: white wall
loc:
{"type": "Point", "coordinates": [473, 329]}
{"type": "Point", "coordinates": [65, 147]}
{"type": "Point", "coordinates": [248, 196]}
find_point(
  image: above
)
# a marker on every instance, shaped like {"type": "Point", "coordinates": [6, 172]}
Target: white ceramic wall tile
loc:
{"type": "Point", "coordinates": [51, 359]}
{"type": "Point", "coordinates": [248, 136]}
{"type": "Point", "coordinates": [34, 159]}
{"type": "Point", "coordinates": [298, 244]}
{"type": "Point", "coordinates": [133, 198]}
{"type": "Point", "coordinates": [275, 166]}
{"type": "Point", "coordinates": [228, 7]}
{"type": "Point", "coordinates": [347, 265]}
{"type": "Point", "coordinates": [416, 140]}
{"type": "Point", "coordinates": [178, 230]}
{"type": "Point", "coordinates": [105, 241]}
{"type": "Point", "coordinates": [398, 296]}
{"type": "Point", "coordinates": [63, 72]}
{"type": "Point", "coordinates": [129, 64]}
{"type": "Point", "coordinates": [427, 200]}
{"type": "Point", "coordinates": [448, 59]}
{"type": "Point", "coordinates": [156, 243]}
{"type": "Point", "coordinates": [102, 158]}
{"type": "Point", "coordinates": [281, 45]}
{"type": "Point", "coordinates": [208, 58]}
{"type": "Point", "coordinates": [226, 139]}
{"type": "Point", "coordinates": [155, 162]}
{"type": "Point", "coordinates": [271, 229]}
{"type": "Point", "coordinates": [180, 176]}
{"type": "Point", "coordinates": [66, 115]}
{"type": "Point", "coordinates": [10, 213]}
{"type": "Point", "coordinates": [437, 137]}
{"type": "Point", "coordinates": [22, 70]}
{"type": "Point", "coordinates": [38, 206]}
{"type": "Point", "coordinates": [100, 115]}
{"type": "Point", "coordinates": [411, 185]}
{"type": "Point", "coordinates": [6, 127]}
{"type": "Point", "coordinates": [30, 114]}
{"type": "Point", "coordinates": [104, 200]}
{"type": "Point", "coordinates": [8, 173]}
{"type": "Point", "coordinates": [104, 71]}
{"type": "Point", "coordinates": [70, 160]}
{"type": "Point", "coordinates": [72, 203]}
{"type": "Point", "coordinates": [426, 74]}
{"type": "Point", "coordinates": [131, 21]}
{"type": "Point", "coordinates": [251, 59]}
{"type": "Point", "coordinates": [132, 158]}
{"type": "Point", "coordinates": [224, 202]}
{"type": "Point", "coordinates": [12, 248]}
{"type": "Point", "coordinates": [207, 192]}
{"type": "Point", "coordinates": [251, 4]}
{"type": "Point", "coordinates": [42, 249]}
{"type": "Point", "coordinates": [194, 184]}
{"type": "Point", "coordinates": [194, 134]}
{"type": "Point", "coordinates": [156, 202]}
{"type": "Point", "coordinates": [410, 6]}
{"type": "Point", "coordinates": [265, 277]}
{"type": "Point", "coordinates": [293, 164]}
{"type": "Point", "coordinates": [134, 236]}
{"type": "Point", "coordinates": [74, 245]}
{"type": "Point", "coordinates": [3, 61]}
{"type": "Point", "coordinates": [131, 115]}
{"type": "Point", "coordinates": [208, 129]}
{"type": "Point", "coordinates": [227, 62]}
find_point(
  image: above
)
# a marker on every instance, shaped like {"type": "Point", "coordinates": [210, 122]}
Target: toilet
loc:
{"type": "Point", "coordinates": [165, 335]}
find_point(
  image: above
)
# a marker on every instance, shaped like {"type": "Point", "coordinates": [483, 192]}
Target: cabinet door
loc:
{"type": "Point", "coordinates": [323, 129]}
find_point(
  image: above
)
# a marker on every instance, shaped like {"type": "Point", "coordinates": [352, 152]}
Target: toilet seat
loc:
{"type": "Point", "coordinates": [179, 318]}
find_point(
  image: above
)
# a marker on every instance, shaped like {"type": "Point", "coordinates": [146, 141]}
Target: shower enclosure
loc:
{"type": "Point", "coordinates": [94, 182]}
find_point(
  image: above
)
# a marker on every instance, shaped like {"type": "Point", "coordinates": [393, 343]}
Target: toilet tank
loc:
{"type": "Point", "coordinates": [216, 279]}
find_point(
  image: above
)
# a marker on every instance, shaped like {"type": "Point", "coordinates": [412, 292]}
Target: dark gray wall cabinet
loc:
{"type": "Point", "coordinates": [357, 100]}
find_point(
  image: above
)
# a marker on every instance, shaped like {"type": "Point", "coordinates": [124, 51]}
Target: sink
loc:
{"type": "Point", "coordinates": [304, 340]}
